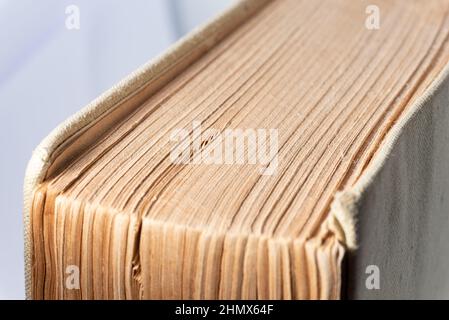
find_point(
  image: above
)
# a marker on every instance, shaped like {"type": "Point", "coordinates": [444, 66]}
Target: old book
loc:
{"type": "Point", "coordinates": [243, 163]}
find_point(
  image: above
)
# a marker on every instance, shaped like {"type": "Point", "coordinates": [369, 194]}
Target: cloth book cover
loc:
{"type": "Point", "coordinates": [285, 150]}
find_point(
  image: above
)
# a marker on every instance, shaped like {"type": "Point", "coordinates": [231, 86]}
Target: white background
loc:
{"type": "Point", "coordinates": [48, 72]}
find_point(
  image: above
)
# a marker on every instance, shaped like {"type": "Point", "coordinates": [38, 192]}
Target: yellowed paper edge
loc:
{"type": "Point", "coordinates": [344, 207]}
{"type": "Point", "coordinates": [207, 36]}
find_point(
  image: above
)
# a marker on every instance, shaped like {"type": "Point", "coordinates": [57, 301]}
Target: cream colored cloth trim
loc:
{"type": "Point", "coordinates": [206, 36]}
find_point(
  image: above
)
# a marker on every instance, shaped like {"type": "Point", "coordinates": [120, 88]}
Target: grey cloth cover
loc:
{"type": "Point", "coordinates": [403, 214]}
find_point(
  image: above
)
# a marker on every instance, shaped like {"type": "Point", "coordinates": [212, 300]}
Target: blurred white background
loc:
{"type": "Point", "coordinates": [48, 72]}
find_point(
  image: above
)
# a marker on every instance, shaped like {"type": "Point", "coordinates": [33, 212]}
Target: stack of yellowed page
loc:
{"type": "Point", "coordinates": [286, 150]}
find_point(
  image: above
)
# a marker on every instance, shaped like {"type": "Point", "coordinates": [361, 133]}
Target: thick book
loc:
{"type": "Point", "coordinates": [286, 150]}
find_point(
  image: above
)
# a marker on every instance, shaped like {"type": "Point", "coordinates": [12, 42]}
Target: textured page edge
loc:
{"type": "Point", "coordinates": [41, 157]}
{"type": "Point", "coordinates": [345, 204]}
